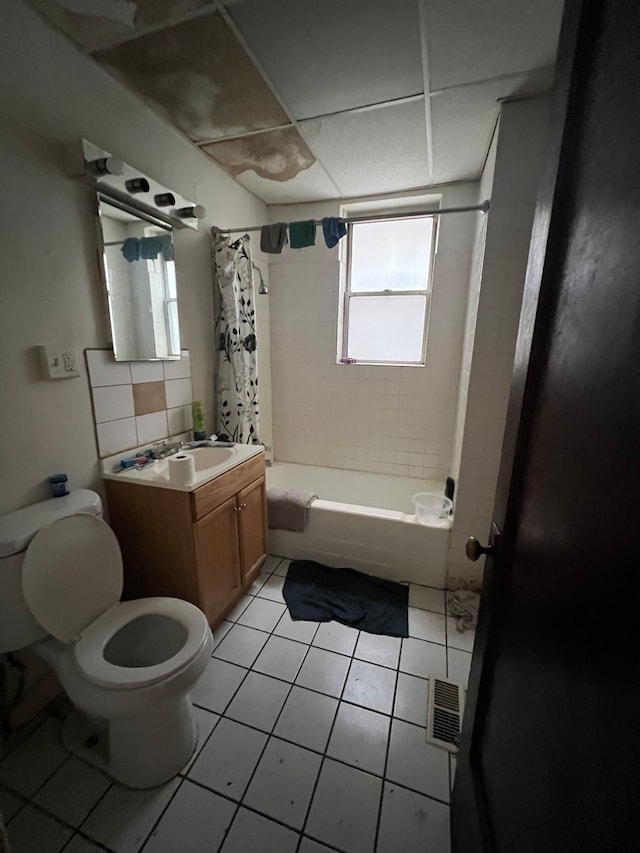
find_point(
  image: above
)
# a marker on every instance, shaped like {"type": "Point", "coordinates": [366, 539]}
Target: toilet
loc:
{"type": "Point", "coordinates": [128, 667]}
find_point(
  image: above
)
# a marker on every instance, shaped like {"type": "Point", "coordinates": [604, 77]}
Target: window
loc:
{"type": "Point", "coordinates": [387, 290]}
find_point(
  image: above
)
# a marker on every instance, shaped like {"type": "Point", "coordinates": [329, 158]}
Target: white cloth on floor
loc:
{"type": "Point", "coordinates": [463, 605]}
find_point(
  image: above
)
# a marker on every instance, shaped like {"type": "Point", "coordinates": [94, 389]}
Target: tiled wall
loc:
{"type": "Point", "coordinates": [138, 402]}
{"type": "Point", "coordinates": [395, 420]}
{"type": "Point", "coordinates": [519, 158]}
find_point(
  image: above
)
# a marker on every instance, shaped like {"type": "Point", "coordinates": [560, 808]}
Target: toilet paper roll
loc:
{"type": "Point", "coordinates": [182, 469]}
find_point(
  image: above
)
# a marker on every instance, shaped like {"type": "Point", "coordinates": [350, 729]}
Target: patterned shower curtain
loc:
{"type": "Point", "coordinates": [236, 366]}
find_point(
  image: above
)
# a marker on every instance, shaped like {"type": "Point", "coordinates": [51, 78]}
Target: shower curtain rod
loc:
{"type": "Point", "coordinates": [412, 214]}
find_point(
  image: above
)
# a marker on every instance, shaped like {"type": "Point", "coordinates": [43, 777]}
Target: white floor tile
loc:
{"type": "Point", "coordinates": [281, 658]}
{"type": "Point", "coordinates": [258, 583]}
{"type": "Point", "coordinates": [32, 762]}
{"type": "Point", "coordinates": [241, 645]}
{"type": "Point", "coordinates": [425, 625]}
{"type": "Point", "coordinates": [205, 724]}
{"type": "Point", "coordinates": [307, 718]}
{"type": "Point", "coordinates": [271, 564]}
{"type": "Point", "coordinates": [10, 804]}
{"type": "Point", "coordinates": [32, 831]}
{"type": "Point", "coordinates": [422, 659]}
{"type": "Point", "coordinates": [370, 686]}
{"type": "Point", "coordinates": [221, 632]}
{"type": "Point", "coordinates": [458, 666]}
{"type": "Point", "coordinates": [217, 684]}
{"type": "Point", "coordinates": [72, 791]}
{"type": "Point", "coordinates": [359, 737]}
{"type": "Point", "coordinates": [196, 820]}
{"type": "Point", "coordinates": [459, 640]}
{"type": "Point", "coordinates": [298, 630]}
{"type": "Point", "coordinates": [262, 614]}
{"type": "Point", "coordinates": [124, 817]}
{"type": "Point", "coordinates": [272, 589]}
{"type": "Point", "coordinates": [78, 844]}
{"type": "Point", "coordinates": [323, 671]}
{"type": "Point", "coordinates": [229, 758]}
{"type": "Point", "coordinates": [375, 648]}
{"type": "Point", "coordinates": [251, 833]}
{"type": "Point", "coordinates": [412, 823]}
{"type": "Point", "coordinates": [309, 846]}
{"type": "Point", "coordinates": [417, 764]}
{"type": "Point", "coordinates": [426, 597]}
{"type": "Point", "coordinates": [335, 637]}
{"type": "Point", "coordinates": [412, 694]}
{"type": "Point", "coordinates": [259, 701]}
{"type": "Point", "coordinates": [234, 614]}
{"type": "Point", "coordinates": [344, 810]}
{"type": "Point", "coordinates": [282, 569]}
{"type": "Point", "coordinates": [283, 783]}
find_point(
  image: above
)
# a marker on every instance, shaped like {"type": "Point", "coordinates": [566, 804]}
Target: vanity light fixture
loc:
{"type": "Point", "coordinates": [105, 166]}
{"type": "Point", "coordinates": [195, 212]}
{"type": "Point", "coordinates": [137, 185]}
{"type": "Point", "coordinates": [165, 199]}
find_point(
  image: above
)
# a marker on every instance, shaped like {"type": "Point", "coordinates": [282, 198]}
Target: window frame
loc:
{"type": "Point", "coordinates": [348, 294]}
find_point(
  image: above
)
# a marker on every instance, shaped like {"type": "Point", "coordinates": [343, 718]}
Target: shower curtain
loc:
{"type": "Point", "coordinates": [236, 364]}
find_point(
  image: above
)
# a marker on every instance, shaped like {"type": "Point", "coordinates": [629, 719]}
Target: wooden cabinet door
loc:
{"type": "Point", "coordinates": [218, 559]}
{"type": "Point", "coordinates": [252, 523]}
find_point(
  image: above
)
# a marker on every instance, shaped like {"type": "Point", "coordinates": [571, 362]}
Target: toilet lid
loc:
{"type": "Point", "coordinates": [72, 573]}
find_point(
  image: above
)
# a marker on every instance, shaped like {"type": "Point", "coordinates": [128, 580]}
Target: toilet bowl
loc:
{"type": "Point", "coordinates": [128, 667]}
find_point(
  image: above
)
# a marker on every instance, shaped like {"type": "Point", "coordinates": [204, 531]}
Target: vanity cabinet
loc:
{"type": "Point", "coordinates": [205, 546]}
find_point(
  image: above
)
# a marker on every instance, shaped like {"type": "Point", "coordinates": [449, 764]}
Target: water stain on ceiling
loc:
{"type": "Point", "coordinates": [277, 155]}
{"type": "Point", "coordinates": [198, 74]}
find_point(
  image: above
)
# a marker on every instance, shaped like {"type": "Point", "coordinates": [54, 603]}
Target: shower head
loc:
{"type": "Point", "coordinates": [262, 289]}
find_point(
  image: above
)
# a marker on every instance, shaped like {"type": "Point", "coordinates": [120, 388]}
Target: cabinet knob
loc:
{"type": "Point", "coordinates": [239, 507]}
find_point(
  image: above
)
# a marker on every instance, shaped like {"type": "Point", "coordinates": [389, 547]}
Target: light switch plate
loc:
{"type": "Point", "coordinates": [59, 362]}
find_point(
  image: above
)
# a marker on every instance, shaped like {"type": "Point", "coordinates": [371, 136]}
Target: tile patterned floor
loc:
{"type": "Point", "coordinates": [311, 739]}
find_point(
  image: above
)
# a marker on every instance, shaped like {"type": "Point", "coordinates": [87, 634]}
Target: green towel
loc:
{"type": "Point", "coordinates": [302, 234]}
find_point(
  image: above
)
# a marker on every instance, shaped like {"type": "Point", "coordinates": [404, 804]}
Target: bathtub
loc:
{"type": "Point", "coordinates": [364, 521]}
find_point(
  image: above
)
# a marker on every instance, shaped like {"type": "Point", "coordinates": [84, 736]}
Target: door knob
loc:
{"type": "Point", "coordinates": [474, 550]}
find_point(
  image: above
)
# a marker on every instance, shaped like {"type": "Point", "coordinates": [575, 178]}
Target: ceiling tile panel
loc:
{"type": "Point", "coordinates": [471, 41]}
{"type": "Point", "coordinates": [334, 55]}
{"type": "Point", "coordinates": [373, 151]}
{"type": "Point", "coordinates": [277, 155]}
{"type": "Point", "coordinates": [311, 185]}
{"type": "Point", "coordinates": [463, 120]}
{"type": "Point", "coordinates": [199, 76]}
{"type": "Point", "coordinates": [95, 23]}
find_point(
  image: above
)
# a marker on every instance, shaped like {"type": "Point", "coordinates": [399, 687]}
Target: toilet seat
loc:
{"type": "Point", "coordinates": [72, 582]}
{"type": "Point", "coordinates": [90, 648]}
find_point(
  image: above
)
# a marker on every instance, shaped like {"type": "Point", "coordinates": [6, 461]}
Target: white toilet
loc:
{"type": "Point", "coordinates": [128, 667]}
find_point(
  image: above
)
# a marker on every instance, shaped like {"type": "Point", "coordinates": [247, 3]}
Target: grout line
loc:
{"type": "Point", "coordinates": [386, 758]}
{"type": "Point", "coordinates": [257, 764]}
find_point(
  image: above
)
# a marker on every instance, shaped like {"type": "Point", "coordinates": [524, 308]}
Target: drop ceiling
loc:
{"type": "Point", "coordinates": [301, 101]}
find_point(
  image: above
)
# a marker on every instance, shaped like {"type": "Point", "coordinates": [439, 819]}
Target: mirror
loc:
{"type": "Point", "coordinates": [140, 280]}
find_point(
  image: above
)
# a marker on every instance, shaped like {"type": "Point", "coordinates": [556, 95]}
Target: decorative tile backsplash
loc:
{"type": "Point", "coordinates": [138, 402]}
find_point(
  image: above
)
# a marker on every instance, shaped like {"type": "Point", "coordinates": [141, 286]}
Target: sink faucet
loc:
{"type": "Point", "coordinates": [162, 449]}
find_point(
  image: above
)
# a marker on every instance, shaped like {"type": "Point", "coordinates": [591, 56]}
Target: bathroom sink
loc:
{"type": "Point", "coordinates": [211, 462]}
{"type": "Point", "coordinates": [209, 457]}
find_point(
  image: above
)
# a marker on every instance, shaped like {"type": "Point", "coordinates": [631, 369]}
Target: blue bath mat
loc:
{"type": "Point", "coordinates": [318, 593]}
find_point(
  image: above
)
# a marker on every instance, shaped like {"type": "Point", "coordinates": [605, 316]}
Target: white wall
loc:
{"type": "Point", "coordinates": [50, 290]}
{"type": "Point", "coordinates": [394, 420]}
{"type": "Point", "coordinates": [518, 165]}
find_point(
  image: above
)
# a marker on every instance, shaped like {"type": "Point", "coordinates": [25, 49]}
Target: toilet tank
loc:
{"type": "Point", "coordinates": [18, 628]}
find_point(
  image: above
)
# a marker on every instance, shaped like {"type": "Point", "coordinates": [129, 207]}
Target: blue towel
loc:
{"type": "Point", "coordinates": [167, 247]}
{"type": "Point", "coordinates": [131, 249]}
{"type": "Point", "coordinates": [150, 248]}
{"type": "Point", "coordinates": [334, 230]}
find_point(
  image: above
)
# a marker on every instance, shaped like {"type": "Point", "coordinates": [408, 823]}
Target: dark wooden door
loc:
{"type": "Point", "coordinates": [550, 759]}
